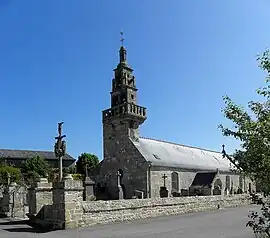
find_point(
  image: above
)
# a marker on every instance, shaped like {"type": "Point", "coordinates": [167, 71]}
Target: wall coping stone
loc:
{"type": "Point", "coordinates": [115, 205]}
{"type": "Point", "coordinates": [69, 185]}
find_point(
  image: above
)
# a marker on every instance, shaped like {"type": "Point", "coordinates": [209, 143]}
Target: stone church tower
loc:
{"type": "Point", "coordinates": [120, 131]}
{"type": "Point", "coordinates": [122, 120]}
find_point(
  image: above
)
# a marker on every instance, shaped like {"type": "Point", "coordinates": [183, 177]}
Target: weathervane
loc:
{"type": "Point", "coordinates": [122, 37]}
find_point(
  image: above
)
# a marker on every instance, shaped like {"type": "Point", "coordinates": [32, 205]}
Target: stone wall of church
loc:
{"type": "Point", "coordinates": [186, 177]}
{"type": "Point", "coordinates": [121, 154]}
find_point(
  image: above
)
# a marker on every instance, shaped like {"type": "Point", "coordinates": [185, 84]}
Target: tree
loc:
{"type": "Point", "coordinates": [84, 159]}
{"type": "Point", "coordinates": [34, 168]}
{"type": "Point", "coordinates": [14, 173]}
{"type": "Point", "coordinates": [252, 129]}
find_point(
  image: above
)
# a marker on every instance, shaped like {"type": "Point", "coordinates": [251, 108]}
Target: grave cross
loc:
{"type": "Point", "coordinates": [118, 174]}
{"type": "Point", "coordinates": [164, 179]}
{"type": "Point", "coordinates": [86, 170]}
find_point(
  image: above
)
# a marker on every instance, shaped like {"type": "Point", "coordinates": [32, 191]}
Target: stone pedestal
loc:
{"type": "Point", "coordinates": [67, 203]}
{"type": "Point", "coordinates": [120, 192]}
{"type": "Point", "coordinates": [89, 189]}
{"type": "Point", "coordinates": [163, 192]}
{"type": "Point", "coordinates": [39, 194]}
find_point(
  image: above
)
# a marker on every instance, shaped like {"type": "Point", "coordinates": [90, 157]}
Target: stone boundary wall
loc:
{"type": "Point", "coordinates": [13, 201]}
{"type": "Point", "coordinates": [104, 212]}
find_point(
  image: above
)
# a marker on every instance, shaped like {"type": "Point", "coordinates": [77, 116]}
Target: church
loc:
{"type": "Point", "coordinates": [152, 168]}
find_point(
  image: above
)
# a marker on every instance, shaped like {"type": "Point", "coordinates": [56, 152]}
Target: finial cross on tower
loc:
{"type": "Point", "coordinates": [122, 37]}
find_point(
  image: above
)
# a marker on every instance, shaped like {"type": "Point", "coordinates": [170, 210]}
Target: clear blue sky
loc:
{"type": "Point", "coordinates": [57, 57]}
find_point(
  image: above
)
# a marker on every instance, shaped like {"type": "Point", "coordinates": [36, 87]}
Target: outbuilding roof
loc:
{"type": "Point", "coordinates": [162, 153]}
{"type": "Point", "coordinates": [25, 154]}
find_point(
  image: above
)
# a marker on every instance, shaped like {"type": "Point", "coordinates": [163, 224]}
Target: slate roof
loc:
{"type": "Point", "coordinates": [162, 153]}
{"type": "Point", "coordinates": [24, 154]}
{"type": "Point", "coordinates": [203, 179]}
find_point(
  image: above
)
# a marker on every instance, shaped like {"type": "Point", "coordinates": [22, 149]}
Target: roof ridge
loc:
{"type": "Point", "coordinates": [174, 143]}
{"type": "Point", "coordinates": [27, 150]}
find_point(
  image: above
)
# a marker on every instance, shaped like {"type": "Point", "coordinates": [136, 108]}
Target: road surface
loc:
{"type": "Point", "coordinates": [217, 224]}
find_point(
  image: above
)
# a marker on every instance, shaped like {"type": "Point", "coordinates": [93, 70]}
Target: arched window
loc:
{"type": "Point", "coordinates": [228, 182]}
{"type": "Point", "coordinates": [241, 182]}
{"type": "Point", "coordinates": [217, 187]}
{"type": "Point", "coordinates": [175, 182]}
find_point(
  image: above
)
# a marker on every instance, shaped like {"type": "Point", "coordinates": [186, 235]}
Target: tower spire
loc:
{"type": "Point", "coordinates": [122, 51]}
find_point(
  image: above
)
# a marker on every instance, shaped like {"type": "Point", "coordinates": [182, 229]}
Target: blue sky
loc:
{"type": "Point", "coordinates": [57, 57]}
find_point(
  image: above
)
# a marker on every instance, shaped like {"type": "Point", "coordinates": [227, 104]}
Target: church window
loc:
{"type": "Point", "coordinates": [228, 182]}
{"type": "Point", "coordinates": [132, 96]}
{"type": "Point", "coordinates": [156, 156]}
{"type": "Point", "coordinates": [175, 182]}
{"type": "Point", "coordinates": [241, 182]}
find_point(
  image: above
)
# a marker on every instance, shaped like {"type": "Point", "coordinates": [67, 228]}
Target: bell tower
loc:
{"type": "Point", "coordinates": [122, 120]}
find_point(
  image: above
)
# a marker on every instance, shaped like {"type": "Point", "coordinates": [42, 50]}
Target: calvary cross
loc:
{"type": "Point", "coordinates": [164, 178]}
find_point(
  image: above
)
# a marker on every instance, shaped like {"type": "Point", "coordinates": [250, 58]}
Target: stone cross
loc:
{"type": "Point", "coordinates": [60, 149]}
{"type": "Point", "coordinates": [8, 178]}
{"type": "Point", "coordinates": [164, 179]}
{"type": "Point", "coordinates": [86, 170]}
{"type": "Point", "coordinates": [120, 190]}
{"type": "Point", "coordinates": [118, 174]}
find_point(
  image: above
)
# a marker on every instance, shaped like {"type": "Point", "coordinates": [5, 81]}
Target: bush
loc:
{"type": "Point", "coordinates": [77, 177]}
{"type": "Point", "coordinates": [53, 175]}
{"type": "Point", "coordinates": [260, 221]}
{"type": "Point", "coordinates": [15, 174]}
{"type": "Point", "coordinates": [37, 165]}
{"type": "Point", "coordinates": [31, 177]}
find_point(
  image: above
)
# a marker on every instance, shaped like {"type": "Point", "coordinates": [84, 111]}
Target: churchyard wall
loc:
{"type": "Point", "coordinates": [70, 211]}
{"type": "Point", "coordinates": [103, 212]}
{"type": "Point", "coordinates": [61, 206]}
{"type": "Point", "coordinates": [14, 200]}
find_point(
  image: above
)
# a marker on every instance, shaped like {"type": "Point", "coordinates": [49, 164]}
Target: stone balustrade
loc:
{"type": "Point", "coordinates": [125, 109]}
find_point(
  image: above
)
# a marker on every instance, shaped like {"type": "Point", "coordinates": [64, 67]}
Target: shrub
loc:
{"type": "Point", "coordinates": [77, 177]}
{"type": "Point", "coordinates": [15, 174]}
{"type": "Point", "coordinates": [36, 164]}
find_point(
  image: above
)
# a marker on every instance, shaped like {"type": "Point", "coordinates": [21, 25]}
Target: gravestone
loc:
{"type": "Point", "coordinates": [89, 189]}
{"type": "Point", "coordinates": [163, 192]}
{"type": "Point", "coordinates": [217, 191]}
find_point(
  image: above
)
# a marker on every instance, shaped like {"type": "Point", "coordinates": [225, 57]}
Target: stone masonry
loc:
{"type": "Point", "coordinates": [120, 129]}
{"type": "Point", "coordinates": [14, 201]}
{"type": "Point", "coordinates": [39, 194]}
{"type": "Point", "coordinates": [67, 204]}
{"type": "Point", "coordinates": [104, 212]}
{"type": "Point", "coordinates": [121, 141]}
{"type": "Point", "coordinates": [70, 211]}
